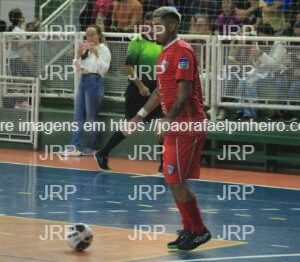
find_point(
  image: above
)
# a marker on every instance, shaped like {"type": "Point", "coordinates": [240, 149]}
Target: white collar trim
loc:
{"type": "Point", "coordinates": [173, 42]}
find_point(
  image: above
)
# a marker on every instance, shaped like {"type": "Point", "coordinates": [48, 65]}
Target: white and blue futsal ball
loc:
{"type": "Point", "coordinates": [79, 236]}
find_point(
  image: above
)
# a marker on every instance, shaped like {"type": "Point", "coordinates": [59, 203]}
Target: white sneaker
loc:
{"type": "Point", "coordinates": [70, 152]}
{"type": "Point", "coordinates": [23, 105]}
{"type": "Point", "coordinates": [88, 152]}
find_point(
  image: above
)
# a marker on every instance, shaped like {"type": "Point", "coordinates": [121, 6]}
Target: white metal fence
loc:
{"type": "Point", "coordinates": [49, 56]}
{"type": "Point", "coordinates": [44, 55]}
{"type": "Point", "coordinates": [19, 107]}
{"type": "Point", "coordinates": [1, 53]}
{"type": "Point", "coordinates": [116, 80]}
{"type": "Point", "coordinates": [254, 72]}
{"type": "Point", "coordinates": [258, 72]}
{"type": "Point", "coordinates": [64, 15]}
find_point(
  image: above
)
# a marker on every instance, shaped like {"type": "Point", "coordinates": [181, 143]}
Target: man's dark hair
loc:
{"type": "Point", "coordinates": [148, 16]}
{"type": "Point", "coordinates": [297, 24]}
{"type": "Point", "coordinates": [15, 16]}
{"type": "Point", "coordinates": [266, 29]}
{"type": "Point", "coordinates": [203, 16]}
{"type": "Point", "coordinates": [2, 26]}
{"type": "Point", "coordinates": [167, 12]}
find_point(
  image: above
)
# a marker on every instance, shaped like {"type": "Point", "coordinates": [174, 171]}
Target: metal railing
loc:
{"type": "Point", "coordinates": [255, 72]}
{"type": "Point", "coordinates": [41, 9]}
{"type": "Point", "coordinates": [44, 55]}
{"type": "Point", "coordinates": [62, 16]}
{"type": "Point", "coordinates": [19, 106]}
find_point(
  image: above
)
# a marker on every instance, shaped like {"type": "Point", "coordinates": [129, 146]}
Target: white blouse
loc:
{"type": "Point", "coordinates": [94, 64]}
{"type": "Point", "coordinates": [17, 51]}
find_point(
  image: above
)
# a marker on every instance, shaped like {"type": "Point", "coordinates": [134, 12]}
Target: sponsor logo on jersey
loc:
{"type": "Point", "coordinates": [183, 63]}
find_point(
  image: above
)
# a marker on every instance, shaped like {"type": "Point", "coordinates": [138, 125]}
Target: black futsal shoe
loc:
{"type": "Point", "coordinates": [193, 240]}
{"type": "Point", "coordinates": [160, 167]}
{"type": "Point", "coordinates": [182, 235]}
{"type": "Point", "coordinates": [101, 160]}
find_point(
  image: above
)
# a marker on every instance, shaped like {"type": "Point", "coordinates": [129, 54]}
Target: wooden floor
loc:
{"type": "Point", "coordinates": [24, 219]}
{"type": "Point", "coordinates": [20, 237]}
{"type": "Point", "coordinates": [149, 167]}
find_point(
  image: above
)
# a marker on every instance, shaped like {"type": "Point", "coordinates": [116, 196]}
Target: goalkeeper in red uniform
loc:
{"type": "Point", "coordinates": [179, 93]}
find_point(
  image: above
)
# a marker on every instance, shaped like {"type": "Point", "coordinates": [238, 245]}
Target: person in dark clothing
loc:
{"type": "Point", "coordinates": [142, 52]}
{"type": "Point", "coordinates": [203, 8]}
{"type": "Point", "coordinates": [181, 6]}
{"type": "Point", "coordinates": [3, 26]}
{"type": "Point", "coordinates": [86, 15]}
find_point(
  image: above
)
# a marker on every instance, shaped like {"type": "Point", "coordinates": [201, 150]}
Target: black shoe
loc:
{"type": "Point", "coordinates": [289, 118]}
{"type": "Point", "coordinates": [193, 240]}
{"type": "Point", "coordinates": [238, 116]}
{"type": "Point", "coordinates": [101, 160]}
{"type": "Point", "coordinates": [277, 116]}
{"type": "Point", "coordinates": [160, 168]}
{"type": "Point", "coordinates": [182, 235]}
{"type": "Point", "coordinates": [247, 119]}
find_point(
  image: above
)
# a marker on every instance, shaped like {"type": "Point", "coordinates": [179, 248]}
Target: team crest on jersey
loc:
{"type": "Point", "coordinates": [164, 65]}
{"type": "Point", "coordinates": [183, 63]}
{"type": "Point", "coordinates": [171, 169]}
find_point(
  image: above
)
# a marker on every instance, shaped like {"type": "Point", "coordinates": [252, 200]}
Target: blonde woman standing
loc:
{"type": "Point", "coordinates": [93, 61]}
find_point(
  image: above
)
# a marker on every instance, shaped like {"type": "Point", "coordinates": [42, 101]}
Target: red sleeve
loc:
{"type": "Point", "coordinates": [185, 65]}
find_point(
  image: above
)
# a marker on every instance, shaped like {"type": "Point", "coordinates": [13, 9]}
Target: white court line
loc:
{"type": "Point", "coordinates": [242, 215]}
{"type": "Point", "coordinates": [236, 183]}
{"type": "Point", "coordinates": [270, 209]}
{"type": "Point", "coordinates": [295, 209]}
{"type": "Point", "coordinates": [58, 212]}
{"type": "Point", "coordinates": [84, 199]}
{"type": "Point", "coordinates": [87, 211]}
{"type": "Point", "coordinates": [142, 205]}
{"type": "Point", "coordinates": [138, 175]}
{"type": "Point", "coordinates": [68, 168]}
{"type": "Point", "coordinates": [26, 213]}
{"type": "Point", "coordinates": [118, 211]}
{"type": "Point", "coordinates": [113, 202]}
{"type": "Point", "coordinates": [143, 175]}
{"type": "Point", "coordinates": [280, 246]}
{"type": "Point", "coordinates": [5, 233]}
{"type": "Point", "coordinates": [277, 218]}
{"type": "Point", "coordinates": [148, 210]}
{"type": "Point", "coordinates": [239, 258]}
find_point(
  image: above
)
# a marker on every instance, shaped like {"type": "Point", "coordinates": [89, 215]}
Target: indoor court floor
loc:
{"type": "Point", "coordinates": [261, 225]}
